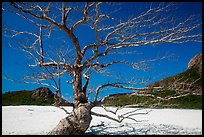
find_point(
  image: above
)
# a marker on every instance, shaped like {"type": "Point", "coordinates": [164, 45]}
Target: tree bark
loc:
{"type": "Point", "coordinates": [79, 94]}
{"type": "Point", "coordinates": [76, 123]}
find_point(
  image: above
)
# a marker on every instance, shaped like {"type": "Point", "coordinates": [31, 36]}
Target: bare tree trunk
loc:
{"type": "Point", "coordinates": [79, 94]}
{"type": "Point", "coordinates": [76, 123]}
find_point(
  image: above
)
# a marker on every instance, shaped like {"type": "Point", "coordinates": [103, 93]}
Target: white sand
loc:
{"type": "Point", "coordinates": [39, 120]}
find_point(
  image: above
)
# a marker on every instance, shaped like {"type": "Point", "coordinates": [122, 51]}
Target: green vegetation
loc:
{"type": "Point", "coordinates": [189, 101]}
{"type": "Point", "coordinates": [191, 75]}
{"type": "Point", "coordinates": [129, 100]}
{"type": "Point", "coordinates": [24, 98]}
{"type": "Point", "coordinates": [163, 93]}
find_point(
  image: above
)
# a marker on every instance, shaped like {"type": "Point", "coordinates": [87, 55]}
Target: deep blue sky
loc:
{"type": "Point", "coordinates": [14, 63]}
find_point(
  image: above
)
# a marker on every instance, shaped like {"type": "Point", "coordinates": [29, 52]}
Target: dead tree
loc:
{"type": "Point", "coordinates": [150, 27]}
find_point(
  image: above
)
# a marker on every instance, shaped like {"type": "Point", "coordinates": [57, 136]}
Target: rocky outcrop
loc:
{"type": "Point", "coordinates": [187, 81]}
{"type": "Point", "coordinates": [45, 93]}
{"type": "Point", "coordinates": [196, 62]}
{"type": "Point", "coordinates": [42, 92]}
{"type": "Point", "coordinates": [39, 96]}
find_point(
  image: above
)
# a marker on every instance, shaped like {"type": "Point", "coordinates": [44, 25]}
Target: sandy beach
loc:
{"type": "Point", "coordinates": [39, 120]}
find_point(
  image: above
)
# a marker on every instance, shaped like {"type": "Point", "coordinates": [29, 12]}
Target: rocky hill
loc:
{"type": "Point", "coordinates": [196, 63]}
{"type": "Point", "coordinates": [189, 81]}
{"type": "Point", "coordinates": [39, 96]}
{"type": "Point", "coordinates": [183, 90]}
